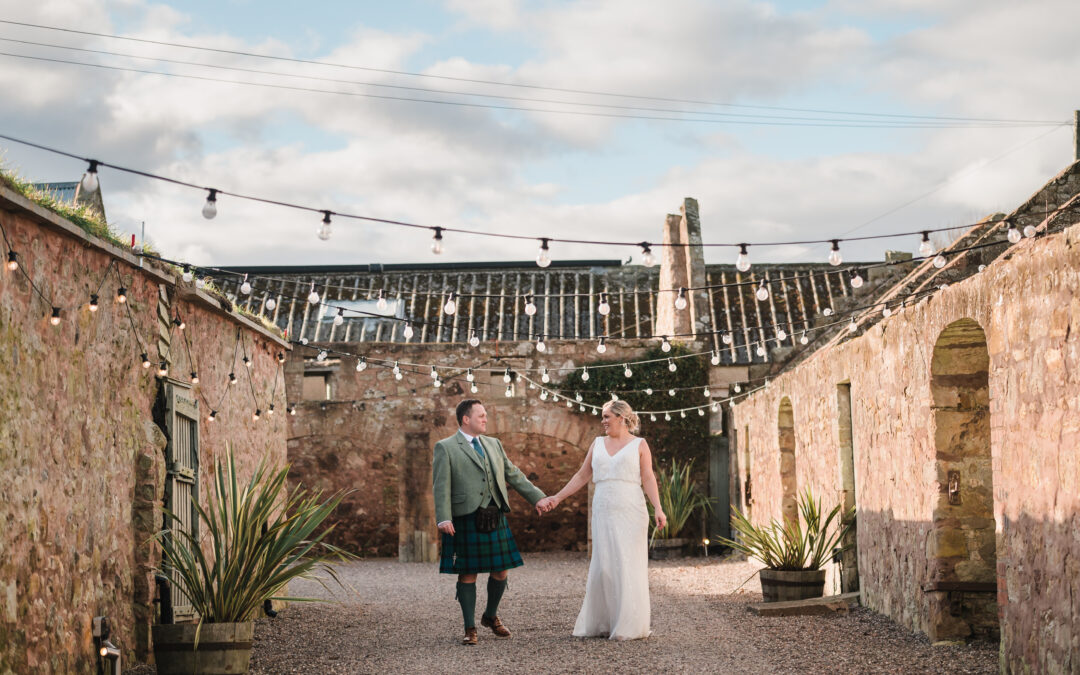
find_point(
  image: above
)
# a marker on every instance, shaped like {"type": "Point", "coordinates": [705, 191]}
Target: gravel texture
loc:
{"type": "Point", "coordinates": [402, 617]}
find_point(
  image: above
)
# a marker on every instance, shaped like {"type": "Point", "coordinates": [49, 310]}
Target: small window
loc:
{"type": "Point", "coordinates": [317, 387]}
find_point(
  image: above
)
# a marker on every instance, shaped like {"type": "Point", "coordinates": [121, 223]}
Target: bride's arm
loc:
{"type": "Point", "coordinates": [648, 483]}
{"type": "Point", "coordinates": [580, 480]}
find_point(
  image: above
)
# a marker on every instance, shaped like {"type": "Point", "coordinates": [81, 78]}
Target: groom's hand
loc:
{"type": "Point", "coordinates": [447, 528]}
{"type": "Point", "coordinates": [544, 505]}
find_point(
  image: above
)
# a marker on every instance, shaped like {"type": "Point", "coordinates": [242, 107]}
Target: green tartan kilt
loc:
{"type": "Point", "coordinates": [472, 552]}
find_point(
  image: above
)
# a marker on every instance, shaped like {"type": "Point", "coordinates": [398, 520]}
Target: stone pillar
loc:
{"type": "Point", "coordinates": [690, 226]}
{"type": "Point", "coordinates": [674, 274]}
{"type": "Point", "coordinates": [417, 538]}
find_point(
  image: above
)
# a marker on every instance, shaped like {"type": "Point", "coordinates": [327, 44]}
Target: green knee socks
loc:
{"type": "Point", "coordinates": [466, 597]}
{"type": "Point", "coordinates": [495, 591]}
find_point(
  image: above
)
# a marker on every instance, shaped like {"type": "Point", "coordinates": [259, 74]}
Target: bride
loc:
{"type": "Point", "coordinates": [616, 601]}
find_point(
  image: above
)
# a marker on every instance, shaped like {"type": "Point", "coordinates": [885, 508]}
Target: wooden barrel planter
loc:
{"type": "Point", "coordinates": [784, 585]}
{"type": "Point", "coordinates": [224, 648]}
{"type": "Point", "coordinates": [661, 549]}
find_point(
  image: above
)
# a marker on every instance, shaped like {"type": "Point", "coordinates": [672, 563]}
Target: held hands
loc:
{"type": "Point", "coordinates": [546, 504]}
{"type": "Point", "coordinates": [661, 520]}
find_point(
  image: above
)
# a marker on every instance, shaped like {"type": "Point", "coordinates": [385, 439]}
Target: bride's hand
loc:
{"type": "Point", "coordinates": [661, 520]}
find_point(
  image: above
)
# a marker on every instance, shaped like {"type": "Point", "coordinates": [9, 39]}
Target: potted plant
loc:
{"type": "Point", "coordinates": [679, 497]}
{"type": "Point", "coordinates": [794, 552]}
{"type": "Point", "coordinates": [259, 536]}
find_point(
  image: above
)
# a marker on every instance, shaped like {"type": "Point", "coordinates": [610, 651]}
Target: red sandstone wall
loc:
{"type": "Point", "coordinates": [1029, 307]}
{"type": "Point", "coordinates": [80, 455]}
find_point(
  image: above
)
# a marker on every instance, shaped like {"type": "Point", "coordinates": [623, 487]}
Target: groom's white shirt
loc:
{"type": "Point", "coordinates": [468, 439]}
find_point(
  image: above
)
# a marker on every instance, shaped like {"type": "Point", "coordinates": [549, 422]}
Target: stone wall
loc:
{"type": "Point", "coordinates": [908, 432]}
{"type": "Point", "coordinates": [82, 468]}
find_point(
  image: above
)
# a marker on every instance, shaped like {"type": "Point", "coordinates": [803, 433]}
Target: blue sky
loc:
{"type": "Point", "coordinates": [536, 174]}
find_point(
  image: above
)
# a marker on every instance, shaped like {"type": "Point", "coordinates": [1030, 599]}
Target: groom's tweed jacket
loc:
{"type": "Point", "coordinates": [458, 476]}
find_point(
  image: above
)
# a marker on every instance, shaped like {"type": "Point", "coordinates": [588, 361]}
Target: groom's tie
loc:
{"type": "Point", "coordinates": [476, 445]}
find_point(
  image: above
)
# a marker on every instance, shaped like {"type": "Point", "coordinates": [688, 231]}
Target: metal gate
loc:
{"type": "Point", "coordinates": [181, 477]}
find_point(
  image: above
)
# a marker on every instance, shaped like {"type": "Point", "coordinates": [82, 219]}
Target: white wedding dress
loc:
{"type": "Point", "coordinates": [617, 593]}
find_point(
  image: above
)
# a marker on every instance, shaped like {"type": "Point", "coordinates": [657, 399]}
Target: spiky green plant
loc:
{"type": "Point", "coordinates": [260, 535]}
{"type": "Point", "coordinates": [679, 497]}
{"type": "Point", "coordinates": [792, 545]}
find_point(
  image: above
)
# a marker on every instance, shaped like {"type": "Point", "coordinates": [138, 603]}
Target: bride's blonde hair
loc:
{"type": "Point", "coordinates": [623, 410]}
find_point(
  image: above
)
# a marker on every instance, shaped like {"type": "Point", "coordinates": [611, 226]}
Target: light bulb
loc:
{"type": "Point", "coordinates": [834, 255]}
{"type": "Point", "coordinates": [760, 351]}
{"type": "Point", "coordinates": [163, 368]}
{"type": "Point", "coordinates": [577, 396]}
{"type": "Point", "coordinates": [473, 388]}
{"type": "Point", "coordinates": [201, 283]}
{"type": "Point", "coordinates": [212, 416]}
{"type": "Point", "coordinates": [715, 358]}
{"type": "Point", "coordinates": [248, 362]}
{"type": "Point", "coordinates": [781, 334]}
{"type": "Point", "coordinates": [325, 229]}
{"type": "Point", "coordinates": [380, 304]}
{"type": "Point", "coordinates": [271, 304]}
{"type": "Point", "coordinates": [245, 287]}
{"type": "Point", "coordinates": [939, 261]}
{"type": "Point", "coordinates": [398, 375]}
{"type": "Point", "coordinates": [982, 267]}
{"type": "Point", "coordinates": [581, 407]}
{"type": "Point", "coordinates": [291, 410]}
{"type": "Point", "coordinates": [435, 374]}
{"type": "Point", "coordinates": [652, 418]}
{"type": "Point", "coordinates": [436, 242]}
{"type": "Point", "coordinates": [726, 338]}
{"type": "Point", "coordinates": [737, 388]}
{"type": "Point", "coordinates": [93, 302]}
{"type": "Point", "coordinates": [209, 209]}
{"type": "Point", "coordinates": [506, 375]}
{"type": "Point", "coordinates": [614, 396]}
{"type": "Point", "coordinates": [320, 357]}
{"type": "Point", "coordinates": [671, 365]}
{"type": "Point", "coordinates": [188, 275]}
{"type": "Point", "coordinates": [255, 415]}
{"type": "Point", "coordinates": [232, 378]}
{"type": "Point", "coordinates": [626, 371]}
{"type": "Point", "coordinates": [647, 257]}
{"type": "Point", "coordinates": [667, 417]}
{"type": "Point", "coordinates": [665, 346]}
{"type": "Point", "coordinates": [856, 280]}
{"type": "Point", "coordinates": [706, 393]}
{"type": "Point", "coordinates": [680, 300]}
{"type": "Point", "coordinates": [603, 308]}
{"type": "Point", "coordinates": [648, 391]}
{"type": "Point", "coordinates": [436, 383]}
{"type": "Point", "coordinates": [396, 369]}
{"type": "Point", "coordinates": [12, 261]}
{"type": "Point", "coordinates": [145, 360]}
{"type": "Point", "coordinates": [540, 346]}
{"type": "Point", "coordinates": [1013, 234]}
{"type": "Point", "coordinates": [469, 377]}
{"type": "Point", "coordinates": [55, 318]}
{"type": "Point", "coordinates": [742, 263]}
{"type": "Point", "coordinates": [361, 365]}
{"type": "Point", "coordinates": [121, 295]}
{"type": "Point", "coordinates": [804, 340]}
{"type": "Point", "coordinates": [886, 312]}
{"type": "Point", "coordinates": [762, 292]}
{"type": "Point", "coordinates": [270, 410]}
{"type": "Point", "coordinates": [731, 403]}
{"type": "Point", "coordinates": [281, 357]}
{"type": "Point", "coordinates": [600, 346]}
{"type": "Point", "coordinates": [89, 183]}
{"type": "Point", "coordinates": [509, 391]}
{"type": "Point", "coordinates": [340, 317]}
{"type": "Point", "coordinates": [544, 377]}
{"type": "Point", "coordinates": [1029, 231]}
{"type": "Point", "coordinates": [827, 311]}
{"type": "Point", "coordinates": [407, 331]}
{"type": "Point", "coordinates": [544, 395]}
{"type": "Point", "coordinates": [584, 374]}
{"type": "Point", "coordinates": [450, 307]}
{"type": "Point", "coordinates": [682, 414]}
{"type": "Point", "coordinates": [716, 407]}
{"type": "Point", "coordinates": [926, 249]}
{"type": "Point", "coordinates": [530, 306]}
{"type": "Point", "coordinates": [852, 327]}
{"type": "Point", "coordinates": [313, 295]}
{"type": "Point", "coordinates": [701, 412]}
{"type": "Point", "coordinates": [543, 257]}
{"type": "Point", "coordinates": [594, 412]}
{"type": "Point", "coordinates": [474, 341]}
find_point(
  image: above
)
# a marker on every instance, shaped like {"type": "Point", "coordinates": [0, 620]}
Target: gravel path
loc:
{"type": "Point", "coordinates": [403, 618]}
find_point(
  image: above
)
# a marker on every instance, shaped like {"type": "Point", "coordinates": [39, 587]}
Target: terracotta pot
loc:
{"type": "Point", "coordinates": [784, 585]}
{"type": "Point", "coordinates": [223, 649]}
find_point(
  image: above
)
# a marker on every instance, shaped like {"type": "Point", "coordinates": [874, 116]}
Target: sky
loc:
{"type": "Point", "coordinates": [743, 84]}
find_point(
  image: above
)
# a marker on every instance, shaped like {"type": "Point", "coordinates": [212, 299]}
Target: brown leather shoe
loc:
{"type": "Point", "coordinates": [470, 637]}
{"type": "Point", "coordinates": [496, 626]}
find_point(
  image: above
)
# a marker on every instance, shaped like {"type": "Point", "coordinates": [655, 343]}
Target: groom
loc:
{"type": "Point", "coordinates": [470, 475]}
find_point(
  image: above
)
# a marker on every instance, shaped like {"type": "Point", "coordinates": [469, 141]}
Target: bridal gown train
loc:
{"type": "Point", "coordinates": [617, 592]}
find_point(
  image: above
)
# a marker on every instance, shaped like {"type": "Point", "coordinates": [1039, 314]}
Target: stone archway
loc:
{"type": "Point", "coordinates": [785, 426]}
{"type": "Point", "coordinates": [962, 545]}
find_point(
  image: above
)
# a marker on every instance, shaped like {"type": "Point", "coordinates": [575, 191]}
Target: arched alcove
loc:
{"type": "Point", "coordinates": [962, 546]}
{"type": "Point", "coordinates": [785, 426]}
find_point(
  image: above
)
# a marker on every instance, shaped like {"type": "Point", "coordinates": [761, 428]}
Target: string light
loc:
{"type": "Point", "coordinates": [737, 388]}
{"type": "Point", "coordinates": [1013, 234]}
{"type": "Point", "coordinates": [212, 416]}
{"type": "Point", "coordinates": [361, 365]}
{"type": "Point", "coordinates": [577, 396]}
{"type": "Point", "coordinates": [145, 360]}
{"type": "Point", "coordinates": [248, 362]}
{"type": "Point", "coordinates": [835, 259]}
{"type": "Point", "coordinates": [93, 306]}
{"type": "Point", "coordinates": [544, 377]}
{"type": "Point", "coordinates": [569, 403]}
{"type": "Point", "coordinates": [671, 392]}
{"type": "Point", "coordinates": [584, 373]}
{"type": "Point", "coordinates": [701, 412]}
{"type": "Point", "coordinates": [450, 307]}
{"type": "Point", "coordinates": [715, 358]}
{"type": "Point", "coordinates": [232, 378]}
{"type": "Point", "coordinates": [506, 375]}
{"type": "Point", "coordinates": [716, 407]}
{"type": "Point", "coordinates": [281, 357]}
{"type": "Point", "coordinates": [469, 377]}
{"type": "Point", "coordinates": [436, 242]}
{"type": "Point", "coordinates": [626, 371]}
{"type": "Point", "coordinates": [12, 261]}
{"type": "Point", "coordinates": [652, 418]}
{"type": "Point", "coordinates": [939, 261]}
{"type": "Point", "coordinates": [472, 388]}
{"type": "Point", "coordinates": [407, 331]}
{"type": "Point", "coordinates": [804, 340]}
{"type": "Point", "coordinates": [705, 392]}
{"type": "Point", "coordinates": [603, 308]}
{"type": "Point", "coordinates": [544, 395]}
{"type": "Point", "coordinates": [530, 306]}
{"type": "Point", "coordinates": [509, 391]}
{"type": "Point", "coordinates": [726, 338]}
{"type": "Point", "coordinates": [271, 304]}
{"type": "Point", "coordinates": [665, 346]}
{"type": "Point", "coordinates": [680, 300]}
{"type": "Point", "coordinates": [886, 312]}
{"type": "Point", "coordinates": [256, 415]}
{"type": "Point", "coordinates": [1029, 231]}
{"type": "Point", "coordinates": [270, 410]}
{"type": "Point", "coordinates": [55, 318]}
{"type": "Point", "coordinates": [435, 374]}
{"type": "Point", "coordinates": [209, 209]}
{"type": "Point", "coordinates": [828, 311]}
{"type": "Point", "coordinates": [742, 263]}
{"type": "Point", "coordinates": [540, 346]}
{"type": "Point", "coordinates": [852, 327]}
{"type": "Point", "coordinates": [436, 383]}
{"type": "Point", "coordinates": [380, 304]}
{"type": "Point", "coordinates": [321, 356]}
{"type": "Point", "coordinates": [760, 350]}
{"type": "Point", "coordinates": [313, 295]}
{"type": "Point", "coordinates": [600, 346]}
{"type": "Point", "coordinates": [474, 339]}
{"type": "Point", "coordinates": [647, 257]}
{"type": "Point", "coordinates": [856, 280]}
{"type": "Point", "coordinates": [89, 183]}
{"type": "Point", "coordinates": [926, 249]}
{"type": "Point", "coordinates": [245, 287]}
{"type": "Point", "coordinates": [187, 275]}
{"type": "Point", "coordinates": [682, 414]}
{"type": "Point", "coordinates": [614, 396]}
{"type": "Point", "coordinates": [291, 409]}
{"type": "Point", "coordinates": [325, 229]}
{"type": "Point", "coordinates": [667, 417]}
{"type": "Point", "coordinates": [163, 368]}
{"type": "Point", "coordinates": [648, 391]}
{"type": "Point", "coordinates": [201, 283]}
{"type": "Point", "coordinates": [781, 334]}
{"type": "Point", "coordinates": [121, 295]}
{"type": "Point", "coordinates": [340, 317]}
{"type": "Point", "coordinates": [543, 258]}
{"type": "Point", "coordinates": [671, 365]}
{"type": "Point", "coordinates": [762, 292]}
